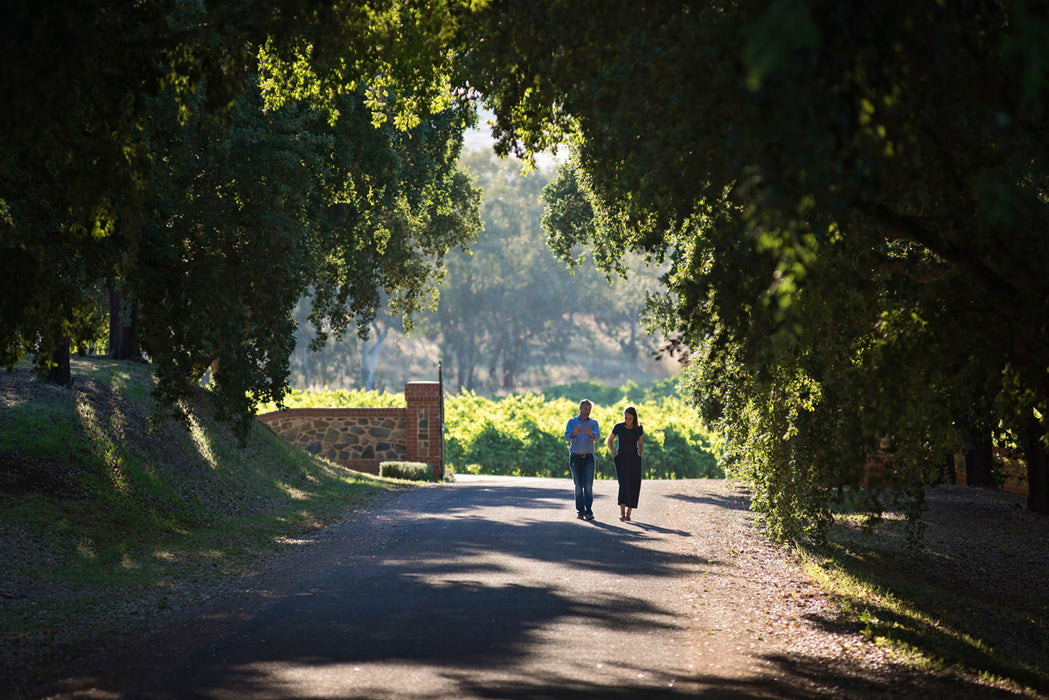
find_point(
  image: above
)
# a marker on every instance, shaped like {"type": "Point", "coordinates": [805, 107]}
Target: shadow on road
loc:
{"type": "Point", "coordinates": [489, 589]}
{"type": "Point", "coordinates": [475, 576]}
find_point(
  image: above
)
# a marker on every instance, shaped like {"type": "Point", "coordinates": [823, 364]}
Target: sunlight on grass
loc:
{"type": "Point", "coordinates": [294, 493]}
{"type": "Point", "coordinates": [120, 381]}
{"type": "Point", "coordinates": [85, 548]}
{"type": "Point", "coordinates": [201, 440]}
{"type": "Point", "coordinates": [103, 445]}
{"type": "Point", "coordinates": [932, 642]}
{"type": "Point", "coordinates": [212, 554]}
{"type": "Point", "coordinates": [873, 607]}
{"type": "Point", "coordinates": [9, 401]}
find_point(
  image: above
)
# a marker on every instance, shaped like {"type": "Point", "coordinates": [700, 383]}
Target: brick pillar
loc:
{"type": "Point", "coordinates": [425, 425]}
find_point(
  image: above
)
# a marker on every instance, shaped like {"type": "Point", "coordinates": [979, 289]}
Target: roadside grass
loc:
{"type": "Point", "coordinates": [967, 602]}
{"type": "Point", "coordinates": [105, 524]}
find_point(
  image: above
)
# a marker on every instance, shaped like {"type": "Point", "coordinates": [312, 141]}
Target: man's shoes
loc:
{"type": "Point", "coordinates": [589, 516]}
{"type": "Point", "coordinates": [580, 516]}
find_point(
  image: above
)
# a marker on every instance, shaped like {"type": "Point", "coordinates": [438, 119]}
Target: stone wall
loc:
{"type": "Point", "coordinates": [361, 438]}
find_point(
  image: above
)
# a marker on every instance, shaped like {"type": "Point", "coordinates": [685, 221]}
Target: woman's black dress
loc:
{"type": "Point", "coordinates": [628, 464]}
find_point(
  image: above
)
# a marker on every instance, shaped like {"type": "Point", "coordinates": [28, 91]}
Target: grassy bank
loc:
{"type": "Point", "coordinates": [969, 602]}
{"type": "Point", "coordinates": [106, 524]}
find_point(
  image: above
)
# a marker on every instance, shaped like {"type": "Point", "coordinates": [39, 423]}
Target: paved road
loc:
{"type": "Point", "coordinates": [486, 588]}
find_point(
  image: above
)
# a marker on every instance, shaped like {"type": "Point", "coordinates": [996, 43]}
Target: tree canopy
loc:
{"type": "Point", "coordinates": [216, 163]}
{"type": "Point", "coordinates": [853, 197]}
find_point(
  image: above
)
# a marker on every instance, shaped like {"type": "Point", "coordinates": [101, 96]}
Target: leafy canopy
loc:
{"type": "Point", "coordinates": [852, 197]}
{"type": "Point", "coordinates": [217, 162]}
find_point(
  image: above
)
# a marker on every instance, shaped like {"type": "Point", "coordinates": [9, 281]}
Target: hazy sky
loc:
{"type": "Point", "coordinates": [481, 138]}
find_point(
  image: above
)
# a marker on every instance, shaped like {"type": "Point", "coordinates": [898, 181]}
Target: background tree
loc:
{"type": "Point", "coordinates": [254, 212]}
{"type": "Point", "coordinates": [508, 306]}
{"type": "Point", "coordinates": [846, 191]}
{"type": "Point", "coordinates": [168, 148]}
{"type": "Point", "coordinates": [503, 300]}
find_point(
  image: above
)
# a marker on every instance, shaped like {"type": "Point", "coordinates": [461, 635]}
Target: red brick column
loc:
{"type": "Point", "coordinates": [424, 434]}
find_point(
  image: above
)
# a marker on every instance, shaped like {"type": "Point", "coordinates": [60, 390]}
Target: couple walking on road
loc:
{"type": "Point", "coordinates": [582, 433]}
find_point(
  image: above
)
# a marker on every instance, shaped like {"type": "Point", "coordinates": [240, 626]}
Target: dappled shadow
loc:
{"type": "Point", "coordinates": [648, 527]}
{"type": "Point", "coordinates": [470, 576]}
{"type": "Point", "coordinates": [729, 501]}
{"type": "Point", "coordinates": [461, 625]}
{"type": "Point", "coordinates": [797, 677]}
{"type": "Point", "coordinates": [463, 586]}
{"type": "Point", "coordinates": [1008, 642]}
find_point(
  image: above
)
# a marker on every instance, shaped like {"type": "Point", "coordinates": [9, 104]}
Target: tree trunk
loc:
{"type": "Point", "coordinates": [510, 366]}
{"type": "Point", "coordinates": [60, 372]}
{"type": "Point", "coordinates": [123, 328]}
{"type": "Point", "coordinates": [633, 348]}
{"type": "Point", "coordinates": [493, 365]}
{"type": "Point", "coordinates": [464, 364]}
{"type": "Point", "coordinates": [979, 459]}
{"type": "Point", "coordinates": [305, 358]}
{"type": "Point", "coordinates": [370, 353]}
{"type": "Point", "coordinates": [952, 469]}
{"type": "Point", "coordinates": [1037, 459]}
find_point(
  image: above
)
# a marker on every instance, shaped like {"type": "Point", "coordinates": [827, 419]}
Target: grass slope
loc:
{"type": "Point", "coordinates": [967, 603]}
{"type": "Point", "coordinates": [105, 523]}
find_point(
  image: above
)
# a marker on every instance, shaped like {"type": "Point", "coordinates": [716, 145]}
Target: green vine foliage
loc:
{"type": "Point", "coordinates": [523, 434]}
{"type": "Point", "coordinates": [338, 398]}
{"type": "Point", "coordinates": [602, 394]}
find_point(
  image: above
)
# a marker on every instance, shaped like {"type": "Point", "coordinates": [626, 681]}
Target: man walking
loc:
{"type": "Point", "coordinates": [581, 433]}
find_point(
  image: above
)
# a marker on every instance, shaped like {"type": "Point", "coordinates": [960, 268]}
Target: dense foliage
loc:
{"type": "Point", "coordinates": [339, 398]}
{"type": "Point", "coordinates": [852, 197]}
{"type": "Point", "coordinates": [285, 205]}
{"type": "Point", "coordinates": [854, 200]}
{"type": "Point", "coordinates": [523, 435]}
{"type": "Point", "coordinates": [631, 392]}
{"type": "Point", "coordinates": [184, 155]}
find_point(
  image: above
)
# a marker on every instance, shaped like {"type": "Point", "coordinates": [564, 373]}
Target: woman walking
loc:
{"type": "Point", "coordinates": [627, 457]}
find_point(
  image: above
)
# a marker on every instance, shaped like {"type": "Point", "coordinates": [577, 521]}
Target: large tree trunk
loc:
{"type": "Point", "coordinates": [123, 328]}
{"type": "Point", "coordinates": [60, 372]}
{"type": "Point", "coordinates": [1037, 459]}
{"type": "Point", "coordinates": [979, 460]}
{"type": "Point", "coordinates": [951, 466]}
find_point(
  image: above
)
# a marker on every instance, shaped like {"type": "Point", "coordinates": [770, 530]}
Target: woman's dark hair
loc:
{"type": "Point", "coordinates": [633, 411]}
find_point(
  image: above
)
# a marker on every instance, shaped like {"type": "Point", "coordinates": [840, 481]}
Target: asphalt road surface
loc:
{"type": "Point", "coordinates": [486, 588]}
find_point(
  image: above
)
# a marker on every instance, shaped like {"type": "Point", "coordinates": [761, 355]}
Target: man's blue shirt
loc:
{"type": "Point", "coordinates": [582, 444]}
